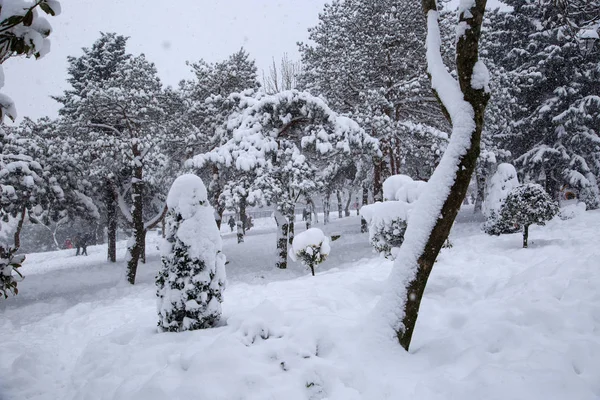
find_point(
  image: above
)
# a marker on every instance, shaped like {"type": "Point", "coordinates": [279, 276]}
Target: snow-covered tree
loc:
{"type": "Point", "coordinates": [95, 66]}
{"type": "Point", "coordinates": [281, 139]}
{"type": "Point", "coordinates": [191, 281]}
{"type": "Point", "coordinates": [208, 107]}
{"type": "Point", "coordinates": [23, 32]}
{"type": "Point", "coordinates": [55, 155]}
{"type": "Point", "coordinates": [526, 205]}
{"type": "Point", "coordinates": [464, 102]}
{"type": "Point", "coordinates": [365, 57]}
{"type": "Point", "coordinates": [549, 51]}
{"type": "Point", "coordinates": [120, 121]}
{"type": "Point", "coordinates": [498, 187]}
{"type": "Point", "coordinates": [311, 247]}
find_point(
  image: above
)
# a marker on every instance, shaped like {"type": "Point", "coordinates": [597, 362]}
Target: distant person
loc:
{"type": "Point", "coordinates": [77, 243]}
{"type": "Point", "coordinates": [84, 242]}
{"type": "Point", "coordinates": [68, 244]}
{"type": "Point", "coordinates": [231, 223]}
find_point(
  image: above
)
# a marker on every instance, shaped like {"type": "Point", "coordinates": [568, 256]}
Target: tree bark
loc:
{"type": "Point", "coordinates": [466, 57]}
{"type": "Point", "coordinates": [282, 239]}
{"type": "Point", "coordinates": [377, 183]}
{"type": "Point", "coordinates": [136, 247]}
{"type": "Point", "coordinates": [525, 235]}
{"type": "Point", "coordinates": [110, 200]}
{"type": "Point", "coordinates": [338, 194]}
{"type": "Point", "coordinates": [291, 228]}
{"type": "Point", "coordinates": [348, 202]}
{"type": "Point", "coordinates": [326, 205]}
{"type": "Point", "coordinates": [365, 201]}
{"type": "Point", "coordinates": [480, 179]}
{"type": "Point", "coordinates": [243, 216]}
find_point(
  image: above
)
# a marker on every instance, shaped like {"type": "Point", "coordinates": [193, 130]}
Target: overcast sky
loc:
{"type": "Point", "coordinates": [168, 32]}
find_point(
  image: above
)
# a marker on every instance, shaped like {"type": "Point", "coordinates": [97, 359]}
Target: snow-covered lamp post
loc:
{"type": "Point", "coordinates": [192, 278]}
{"type": "Point", "coordinates": [311, 247]}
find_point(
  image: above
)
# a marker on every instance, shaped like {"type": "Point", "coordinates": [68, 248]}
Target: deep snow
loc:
{"type": "Point", "coordinates": [497, 322]}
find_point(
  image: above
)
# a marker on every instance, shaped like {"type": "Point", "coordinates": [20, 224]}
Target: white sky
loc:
{"type": "Point", "coordinates": [168, 32]}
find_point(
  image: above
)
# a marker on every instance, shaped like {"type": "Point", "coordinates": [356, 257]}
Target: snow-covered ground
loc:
{"type": "Point", "coordinates": [497, 322]}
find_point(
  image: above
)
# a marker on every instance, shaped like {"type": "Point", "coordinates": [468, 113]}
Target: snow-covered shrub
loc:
{"type": "Point", "coordinates": [528, 204]}
{"type": "Point", "coordinates": [192, 278]}
{"type": "Point", "coordinates": [387, 223]}
{"type": "Point", "coordinates": [311, 247]}
{"type": "Point", "coordinates": [402, 188]}
{"type": "Point", "coordinates": [571, 211]}
{"type": "Point", "coordinates": [498, 188]}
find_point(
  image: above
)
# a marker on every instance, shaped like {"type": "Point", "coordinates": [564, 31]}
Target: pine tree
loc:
{"type": "Point", "coordinates": [367, 60]}
{"type": "Point", "coordinates": [553, 62]}
{"type": "Point", "coordinates": [96, 65]}
{"type": "Point", "coordinates": [526, 205]}
{"type": "Point", "coordinates": [192, 278]}
{"type": "Point", "coordinates": [121, 124]}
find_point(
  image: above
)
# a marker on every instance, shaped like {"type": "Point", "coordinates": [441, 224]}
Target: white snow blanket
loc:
{"type": "Point", "coordinates": [497, 322]}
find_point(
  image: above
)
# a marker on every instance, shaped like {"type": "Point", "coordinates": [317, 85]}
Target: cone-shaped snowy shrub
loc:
{"type": "Point", "coordinates": [192, 278]}
{"type": "Point", "coordinates": [311, 247]}
{"type": "Point", "coordinates": [525, 205]}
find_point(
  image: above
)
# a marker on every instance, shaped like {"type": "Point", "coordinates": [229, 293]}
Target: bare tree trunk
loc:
{"type": "Point", "coordinates": [326, 205]}
{"type": "Point", "coordinates": [291, 228]}
{"type": "Point", "coordinates": [136, 246]}
{"type": "Point", "coordinates": [243, 216]}
{"type": "Point", "coordinates": [313, 210]}
{"type": "Point", "coordinates": [458, 163]}
{"type": "Point", "coordinates": [348, 202]}
{"type": "Point", "coordinates": [480, 180]}
{"type": "Point", "coordinates": [338, 194]}
{"type": "Point", "coordinates": [377, 183]}
{"type": "Point", "coordinates": [110, 201]}
{"type": "Point", "coordinates": [525, 235]}
{"type": "Point", "coordinates": [282, 239]}
{"type": "Point", "coordinates": [365, 201]}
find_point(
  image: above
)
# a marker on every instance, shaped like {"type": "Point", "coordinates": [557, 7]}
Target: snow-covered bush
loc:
{"type": "Point", "coordinates": [571, 211]}
{"type": "Point", "coordinates": [387, 223]}
{"type": "Point", "coordinates": [311, 247]}
{"type": "Point", "coordinates": [402, 188]}
{"type": "Point", "coordinates": [192, 278]}
{"type": "Point", "coordinates": [525, 205]}
{"type": "Point", "coordinates": [498, 187]}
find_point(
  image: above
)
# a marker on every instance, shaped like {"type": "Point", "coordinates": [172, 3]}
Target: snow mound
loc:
{"type": "Point", "coordinates": [573, 210]}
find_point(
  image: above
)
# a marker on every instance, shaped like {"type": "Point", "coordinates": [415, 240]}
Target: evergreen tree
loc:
{"type": "Point", "coordinates": [95, 66]}
{"type": "Point", "coordinates": [120, 123]}
{"type": "Point", "coordinates": [192, 278]}
{"type": "Point", "coordinates": [367, 60]}
{"type": "Point", "coordinates": [526, 205]}
{"type": "Point", "coordinates": [555, 109]}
